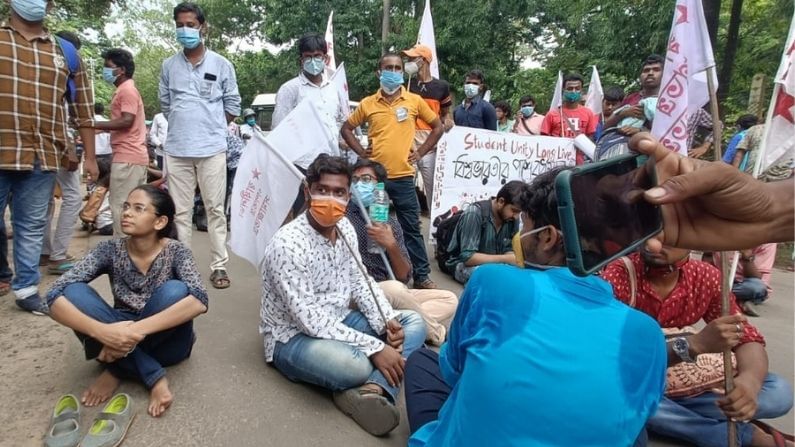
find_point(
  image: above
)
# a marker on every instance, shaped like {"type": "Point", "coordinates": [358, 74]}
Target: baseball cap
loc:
{"type": "Point", "coordinates": [419, 51]}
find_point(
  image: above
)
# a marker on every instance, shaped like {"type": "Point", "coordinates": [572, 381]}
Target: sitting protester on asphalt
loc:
{"type": "Point", "coordinates": [679, 292]}
{"type": "Point", "coordinates": [150, 325]}
{"type": "Point", "coordinates": [434, 305]}
{"type": "Point", "coordinates": [752, 277]}
{"type": "Point", "coordinates": [537, 356]}
{"type": "Point", "coordinates": [483, 233]}
{"type": "Point", "coordinates": [310, 277]}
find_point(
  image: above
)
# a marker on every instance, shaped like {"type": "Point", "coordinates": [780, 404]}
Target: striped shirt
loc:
{"type": "Point", "coordinates": [33, 113]}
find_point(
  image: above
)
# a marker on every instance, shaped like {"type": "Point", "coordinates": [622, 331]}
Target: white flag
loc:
{"type": "Point", "coordinates": [683, 89]}
{"type": "Point", "coordinates": [557, 96]}
{"type": "Point", "coordinates": [427, 37]}
{"type": "Point", "coordinates": [340, 80]}
{"type": "Point", "coordinates": [301, 136]}
{"type": "Point", "coordinates": [595, 93]}
{"type": "Point", "coordinates": [332, 63]}
{"type": "Point", "coordinates": [264, 190]}
{"type": "Point", "coordinates": [779, 140]}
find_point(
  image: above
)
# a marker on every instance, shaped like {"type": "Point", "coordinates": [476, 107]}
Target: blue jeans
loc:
{"type": "Point", "coordinates": [407, 208]}
{"type": "Point", "coordinates": [147, 361]}
{"type": "Point", "coordinates": [32, 191]}
{"type": "Point", "coordinates": [698, 419]}
{"type": "Point", "coordinates": [338, 366]}
{"type": "Point", "coordinates": [5, 271]}
{"type": "Point", "coordinates": [750, 289]}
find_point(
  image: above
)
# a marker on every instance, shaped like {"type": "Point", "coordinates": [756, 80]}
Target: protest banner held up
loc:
{"type": "Point", "coordinates": [473, 164]}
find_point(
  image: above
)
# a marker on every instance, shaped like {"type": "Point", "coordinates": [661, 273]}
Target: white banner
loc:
{"type": "Point", "coordinates": [473, 164]}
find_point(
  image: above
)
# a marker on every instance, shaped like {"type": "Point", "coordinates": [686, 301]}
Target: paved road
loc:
{"type": "Point", "coordinates": [225, 394]}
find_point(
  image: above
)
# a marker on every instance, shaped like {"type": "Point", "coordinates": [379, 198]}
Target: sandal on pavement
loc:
{"type": "Point", "coordinates": [110, 426]}
{"type": "Point", "coordinates": [5, 287]}
{"type": "Point", "coordinates": [65, 427]}
{"type": "Point", "coordinates": [59, 267]}
{"type": "Point", "coordinates": [34, 304]}
{"type": "Point", "coordinates": [219, 279]}
{"type": "Point", "coordinates": [372, 411]}
{"type": "Point", "coordinates": [749, 309]}
{"type": "Point", "coordinates": [780, 438]}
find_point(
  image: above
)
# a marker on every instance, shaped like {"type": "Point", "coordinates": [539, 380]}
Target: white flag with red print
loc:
{"type": "Point", "coordinates": [428, 38]}
{"type": "Point", "coordinates": [683, 89]}
{"type": "Point", "coordinates": [332, 63]}
{"type": "Point", "coordinates": [779, 141]}
{"type": "Point", "coordinates": [557, 96]}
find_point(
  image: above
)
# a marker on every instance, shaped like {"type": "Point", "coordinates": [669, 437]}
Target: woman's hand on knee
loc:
{"type": "Point", "coordinates": [119, 336]}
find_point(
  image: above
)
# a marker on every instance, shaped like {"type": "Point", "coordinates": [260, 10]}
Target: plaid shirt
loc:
{"type": "Point", "coordinates": [33, 113]}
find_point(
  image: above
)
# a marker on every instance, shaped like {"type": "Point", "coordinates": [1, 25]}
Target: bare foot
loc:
{"type": "Point", "coordinates": [100, 390]}
{"type": "Point", "coordinates": [160, 398]}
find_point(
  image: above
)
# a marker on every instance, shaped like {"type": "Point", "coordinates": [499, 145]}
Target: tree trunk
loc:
{"type": "Point", "coordinates": [712, 17]}
{"type": "Point", "coordinates": [730, 51]}
{"type": "Point", "coordinates": [385, 25]}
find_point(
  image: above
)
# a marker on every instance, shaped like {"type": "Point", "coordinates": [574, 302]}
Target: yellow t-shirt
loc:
{"type": "Point", "coordinates": [392, 127]}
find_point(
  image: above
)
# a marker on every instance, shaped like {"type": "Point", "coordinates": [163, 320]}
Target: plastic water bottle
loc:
{"type": "Point", "coordinates": [379, 213]}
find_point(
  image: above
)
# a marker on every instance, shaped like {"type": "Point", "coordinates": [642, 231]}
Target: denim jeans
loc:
{"type": "Point", "coordinates": [32, 191]}
{"type": "Point", "coordinates": [147, 361]}
{"type": "Point", "coordinates": [750, 289]}
{"type": "Point", "coordinates": [407, 208]}
{"type": "Point", "coordinates": [462, 272]}
{"type": "Point", "coordinates": [338, 366]}
{"type": "Point", "coordinates": [699, 420]}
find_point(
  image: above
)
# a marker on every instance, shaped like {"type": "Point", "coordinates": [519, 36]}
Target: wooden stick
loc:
{"type": "Point", "coordinates": [725, 260]}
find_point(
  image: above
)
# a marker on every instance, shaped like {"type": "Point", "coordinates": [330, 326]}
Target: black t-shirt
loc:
{"type": "Point", "coordinates": [436, 93]}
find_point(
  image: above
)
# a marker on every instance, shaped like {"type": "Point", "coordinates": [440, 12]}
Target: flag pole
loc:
{"type": "Point", "coordinates": [725, 260]}
{"type": "Point", "coordinates": [369, 223]}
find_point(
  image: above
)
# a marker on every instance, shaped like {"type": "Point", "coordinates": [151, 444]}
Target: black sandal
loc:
{"type": "Point", "coordinates": [219, 279]}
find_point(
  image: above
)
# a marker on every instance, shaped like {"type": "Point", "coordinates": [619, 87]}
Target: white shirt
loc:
{"type": "Point", "coordinates": [158, 132]}
{"type": "Point", "coordinates": [308, 284]}
{"type": "Point", "coordinates": [102, 139]}
{"type": "Point", "coordinates": [326, 97]}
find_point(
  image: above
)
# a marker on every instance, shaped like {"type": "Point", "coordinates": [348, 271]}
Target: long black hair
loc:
{"type": "Point", "coordinates": [164, 207]}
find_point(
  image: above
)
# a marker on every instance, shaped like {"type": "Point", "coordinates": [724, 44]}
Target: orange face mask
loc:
{"type": "Point", "coordinates": [327, 210]}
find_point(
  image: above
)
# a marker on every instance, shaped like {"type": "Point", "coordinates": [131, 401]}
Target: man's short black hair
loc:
{"type": "Point", "coordinates": [614, 93]}
{"type": "Point", "coordinates": [380, 170]}
{"type": "Point", "coordinates": [99, 108]}
{"type": "Point", "coordinates": [572, 77]}
{"type": "Point", "coordinates": [652, 59]}
{"type": "Point", "coordinates": [386, 55]}
{"type": "Point", "coordinates": [311, 42]}
{"type": "Point", "coordinates": [70, 37]}
{"type": "Point", "coordinates": [476, 74]}
{"type": "Point", "coordinates": [747, 121]}
{"type": "Point", "coordinates": [540, 202]}
{"type": "Point", "coordinates": [513, 192]}
{"type": "Point", "coordinates": [326, 164]}
{"type": "Point", "coordinates": [504, 106]}
{"type": "Point", "coordinates": [527, 98]}
{"type": "Point", "coordinates": [189, 7]}
{"type": "Point", "coordinates": [121, 58]}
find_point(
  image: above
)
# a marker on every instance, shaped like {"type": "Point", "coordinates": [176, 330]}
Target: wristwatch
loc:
{"type": "Point", "coordinates": [681, 347]}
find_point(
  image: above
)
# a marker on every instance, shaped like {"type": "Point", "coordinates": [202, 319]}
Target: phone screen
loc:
{"type": "Point", "coordinates": [609, 209]}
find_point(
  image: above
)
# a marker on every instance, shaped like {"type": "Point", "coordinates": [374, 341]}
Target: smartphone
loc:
{"type": "Point", "coordinates": [602, 212]}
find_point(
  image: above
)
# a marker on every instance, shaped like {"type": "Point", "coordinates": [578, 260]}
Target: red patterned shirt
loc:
{"type": "Point", "coordinates": [695, 296]}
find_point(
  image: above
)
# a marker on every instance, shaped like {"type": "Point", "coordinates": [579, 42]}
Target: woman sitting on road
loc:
{"type": "Point", "coordinates": [157, 293]}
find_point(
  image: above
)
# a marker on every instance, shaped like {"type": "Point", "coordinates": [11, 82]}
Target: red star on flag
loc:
{"type": "Point", "coordinates": [682, 14]}
{"type": "Point", "coordinates": [256, 173]}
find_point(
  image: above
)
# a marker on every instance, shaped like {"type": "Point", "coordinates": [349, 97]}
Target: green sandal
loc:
{"type": "Point", "coordinates": [110, 426]}
{"type": "Point", "coordinates": [64, 428]}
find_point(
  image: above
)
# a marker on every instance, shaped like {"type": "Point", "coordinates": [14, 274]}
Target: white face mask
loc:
{"type": "Point", "coordinates": [411, 68]}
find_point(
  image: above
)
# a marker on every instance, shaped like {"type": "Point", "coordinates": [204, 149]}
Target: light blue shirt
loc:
{"type": "Point", "coordinates": [544, 358]}
{"type": "Point", "coordinates": [195, 100]}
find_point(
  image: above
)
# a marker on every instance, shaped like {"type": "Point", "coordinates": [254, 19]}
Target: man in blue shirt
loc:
{"type": "Point", "coordinates": [744, 123]}
{"type": "Point", "coordinates": [538, 356]}
{"type": "Point", "coordinates": [475, 111]}
{"type": "Point", "coordinates": [199, 97]}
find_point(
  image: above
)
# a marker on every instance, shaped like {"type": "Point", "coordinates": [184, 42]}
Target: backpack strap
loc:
{"type": "Point", "coordinates": [69, 53]}
{"type": "Point", "coordinates": [633, 280]}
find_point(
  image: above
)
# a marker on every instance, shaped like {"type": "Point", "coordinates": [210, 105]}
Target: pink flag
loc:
{"type": "Point", "coordinates": [683, 89]}
{"type": "Point", "coordinates": [779, 141]}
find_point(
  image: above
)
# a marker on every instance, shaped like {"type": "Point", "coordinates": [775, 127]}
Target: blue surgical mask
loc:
{"type": "Point", "coordinates": [251, 121]}
{"type": "Point", "coordinates": [189, 38]}
{"type": "Point", "coordinates": [527, 111]}
{"type": "Point", "coordinates": [471, 90]}
{"type": "Point", "coordinates": [391, 81]}
{"type": "Point", "coordinates": [572, 96]}
{"type": "Point", "coordinates": [314, 65]}
{"type": "Point", "coordinates": [30, 10]}
{"type": "Point", "coordinates": [365, 192]}
{"type": "Point", "coordinates": [107, 75]}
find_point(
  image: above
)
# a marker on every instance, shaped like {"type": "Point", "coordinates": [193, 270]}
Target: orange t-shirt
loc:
{"type": "Point", "coordinates": [129, 145]}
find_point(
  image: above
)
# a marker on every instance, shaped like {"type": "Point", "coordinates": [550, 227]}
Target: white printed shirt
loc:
{"type": "Point", "coordinates": [308, 284]}
{"type": "Point", "coordinates": [326, 97]}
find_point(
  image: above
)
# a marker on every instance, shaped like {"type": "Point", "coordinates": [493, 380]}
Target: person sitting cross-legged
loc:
{"type": "Point", "coordinates": [479, 240]}
{"type": "Point", "coordinates": [678, 292]}
{"type": "Point", "coordinates": [310, 277]}
{"type": "Point", "coordinates": [434, 305]}
{"type": "Point", "coordinates": [157, 293]}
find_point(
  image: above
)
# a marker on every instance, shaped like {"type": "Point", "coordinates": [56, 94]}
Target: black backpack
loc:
{"type": "Point", "coordinates": [446, 228]}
